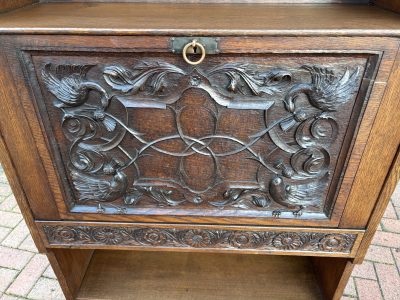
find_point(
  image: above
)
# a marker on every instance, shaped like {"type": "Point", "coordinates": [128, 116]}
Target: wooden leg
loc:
{"type": "Point", "coordinates": [332, 274]}
{"type": "Point", "coordinates": [70, 268]}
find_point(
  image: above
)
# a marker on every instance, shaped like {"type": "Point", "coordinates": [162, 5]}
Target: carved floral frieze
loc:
{"type": "Point", "coordinates": [199, 238]}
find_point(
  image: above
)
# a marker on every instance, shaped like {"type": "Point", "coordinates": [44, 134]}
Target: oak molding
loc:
{"type": "Point", "coordinates": [272, 240]}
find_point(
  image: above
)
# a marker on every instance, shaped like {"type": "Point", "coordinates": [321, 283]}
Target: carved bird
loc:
{"type": "Point", "coordinates": [72, 90]}
{"type": "Point", "coordinates": [326, 91]}
{"type": "Point", "coordinates": [295, 196]}
{"type": "Point", "coordinates": [91, 188]}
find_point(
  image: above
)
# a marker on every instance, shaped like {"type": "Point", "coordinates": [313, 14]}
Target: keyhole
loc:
{"type": "Point", "coordinates": [195, 49]}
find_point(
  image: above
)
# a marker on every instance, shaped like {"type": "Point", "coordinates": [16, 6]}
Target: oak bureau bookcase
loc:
{"type": "Point", "coordinates": [193, 136]}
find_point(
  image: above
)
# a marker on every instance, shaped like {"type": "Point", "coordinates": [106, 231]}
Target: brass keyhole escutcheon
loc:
{"type": "Point", "coordinates": [194, 47]}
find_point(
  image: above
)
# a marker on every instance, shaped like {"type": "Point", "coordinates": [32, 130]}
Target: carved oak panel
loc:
{"type": "Point", "coordinates": [199, 238]}
{"type": "Point", "coordinates": [260, 135]}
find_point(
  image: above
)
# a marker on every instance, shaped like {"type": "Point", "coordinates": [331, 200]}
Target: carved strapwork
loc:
{"type": "Point", "coordinates": [200, 238]}
{"type": "Point", "coordinates": [226, 136]}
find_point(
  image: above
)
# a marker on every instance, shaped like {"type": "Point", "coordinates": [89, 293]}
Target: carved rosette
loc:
{"type": "Point", "coordinates": [335, 242]}
{"type": "Point", "coordinates": [199, 238]}
{"type": "Point", "coordinates": [288, 241]}
{"type": "Point", "coordinates": [291, 180]}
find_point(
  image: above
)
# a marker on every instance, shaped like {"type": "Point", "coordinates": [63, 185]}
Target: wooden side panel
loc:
{"type": "Point", "coordinates": [332, 274]}
{"type": "Point", "coordinates": [21, 146]}
{"type": "Point", "coordinates": [6, 5]}
{"type": "Point", "coordinates": [377, 158]}
{"type": "Point", "coordinates": [19, 194]}
{"type": "Point", "coordinates": [70, 267]}
{"type": "Point", "coordinates": [384, 197]}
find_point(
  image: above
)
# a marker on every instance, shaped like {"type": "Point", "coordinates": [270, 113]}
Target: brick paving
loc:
{"type": "Point", "coordinates": [26, 274]}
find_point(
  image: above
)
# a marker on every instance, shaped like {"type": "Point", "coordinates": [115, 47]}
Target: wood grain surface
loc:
{"type": "Point", "coordinates": [332, 274]}
{"type": "Point", "coordinates": [380, 150]}
{"type": "Point", "coordinates": [70, 268]}
{"type": "Point", "coordinates": [7, 5]}
{"type": "Point", "coordinates": [19, 194]}
{"type": "Point", "coordinates": [389, 186]}
{"type": "Point", "coordinates": [25, 158]}
{"type": "Point", "coordinates": [393, 5]}
{"type": "Point", "coordinates": [217, 1]}
{"type": "Point", "coordinates": [174, 276]}
{"type": "Point", "coordinates": [204, 19]}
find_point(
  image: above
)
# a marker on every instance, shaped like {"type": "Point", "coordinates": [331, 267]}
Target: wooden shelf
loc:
{"type": "Point", "coordinates": [190, 276]}
{"type": "Point", "coordinates": [201, 19]}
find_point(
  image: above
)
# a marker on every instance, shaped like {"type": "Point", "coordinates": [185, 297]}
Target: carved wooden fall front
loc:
{"type": "Point", "coordinates": [255, 135]}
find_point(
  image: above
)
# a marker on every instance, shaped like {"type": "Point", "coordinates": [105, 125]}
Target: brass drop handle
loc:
{"type": "Point", "coordinates": [191, 48]}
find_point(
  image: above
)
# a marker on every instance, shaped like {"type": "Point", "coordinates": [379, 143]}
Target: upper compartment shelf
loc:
{"type": "Point", "coordinates": [201, 19]}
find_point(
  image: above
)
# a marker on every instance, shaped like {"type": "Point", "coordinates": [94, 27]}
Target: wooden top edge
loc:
{"type": "Point", "coordinates": [215, 1]}
{"type": "Point", "coordinates": [201, 19]}
{"type": "Point", "coordinates": [189, 32]}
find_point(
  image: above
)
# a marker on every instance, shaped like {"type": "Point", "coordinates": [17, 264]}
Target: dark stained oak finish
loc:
{"type": "Point", "coordinates": [230, 138]}
{"type": "Point", "coordinates": [142, 176]}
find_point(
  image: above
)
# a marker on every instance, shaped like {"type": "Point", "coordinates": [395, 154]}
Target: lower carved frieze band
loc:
{"type": "Point", "coordinates": [200, 238]}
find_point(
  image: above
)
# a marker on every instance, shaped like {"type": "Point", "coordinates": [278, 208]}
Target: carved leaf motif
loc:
{"type": "Point", "coordinates": [151, 73]}
{"type": "Point", "coordinates": [108, 122]}
{"type": "Point", "coordinates": [313, 240]}
{"type": "Point", "coordinates": [119, 78]}
{"type": "Point", "coordinates": [243, 198]}
{"type": "Point", "coordinates": [160, 195]}
{"type": "Point", "coordinates": [259, 83]}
